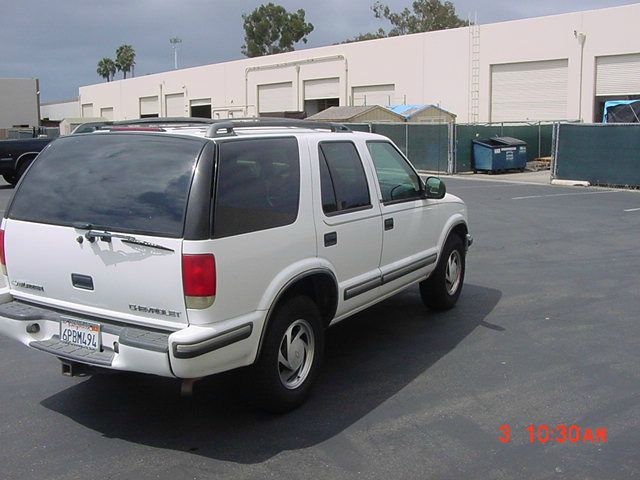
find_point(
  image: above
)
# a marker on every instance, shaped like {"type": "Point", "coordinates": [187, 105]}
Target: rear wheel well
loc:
{"type": "Point", "coordinates": [319, 287]}
{"type": "Point", "coordinates": [24, 158]}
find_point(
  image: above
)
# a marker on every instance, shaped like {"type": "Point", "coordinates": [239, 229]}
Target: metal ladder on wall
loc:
{"type": "Point", "coordinates": [474, 70]}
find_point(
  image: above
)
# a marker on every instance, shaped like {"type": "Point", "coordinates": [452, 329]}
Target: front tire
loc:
{"type": "Point", "coordinates": [441, 290]}
{"type": "Point", "coordinates": [291, 355]}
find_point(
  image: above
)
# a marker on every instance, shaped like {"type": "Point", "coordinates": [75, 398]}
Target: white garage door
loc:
{"type": "Point", "coordinates": [618, 75]}
{"type": "Point", "coordinates": [87, 110]}
{"type": "Point", "coordinates": [149, 106]}
{"type": "Point", "coordinates": [529, 91]}
{"type": "Point", "coordinates": [107, 112]}
{"type": "Point", "coordinates": [275, 97]}
{"type": "Point", "coordinates": [321, 88]}
{"type": "Point", "coordinates": [174, 105]}
{"type": "Point", "coordinates": [373, 95]}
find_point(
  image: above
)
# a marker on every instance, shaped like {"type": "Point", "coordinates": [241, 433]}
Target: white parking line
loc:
{"type": "Point", "coordinates": [510, 184]}
{"type": "Point", "coordinates": [566, 194]}
{"type": "Point", "coordinates": [632, 210]}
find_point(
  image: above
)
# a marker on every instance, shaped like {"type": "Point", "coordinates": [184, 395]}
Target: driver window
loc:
{"type": "Point", "coordinates": [398, 181]}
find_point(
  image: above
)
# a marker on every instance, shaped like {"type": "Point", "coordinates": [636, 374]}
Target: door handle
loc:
{"type": "Point", "coordinates": [330, 239]}
{"type": "Point", "coordinates": [388, 223]}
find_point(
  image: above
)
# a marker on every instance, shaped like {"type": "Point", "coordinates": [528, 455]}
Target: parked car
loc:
{"type": "Point", "coordinates": [17, 155]}
{"type": "Point", "coordinates": [199, 248]}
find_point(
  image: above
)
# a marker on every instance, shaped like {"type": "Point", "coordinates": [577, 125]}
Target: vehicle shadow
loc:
{"type": "Point", "coordinates": [369, 359]}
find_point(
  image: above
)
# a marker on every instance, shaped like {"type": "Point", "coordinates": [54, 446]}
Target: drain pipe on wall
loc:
{"type": "Point", "coordinates": [581, 37]}
{"type": "Point", "coordinates": [297, 64]}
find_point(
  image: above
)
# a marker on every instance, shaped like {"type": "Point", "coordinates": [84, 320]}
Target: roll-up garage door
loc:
{"type": "Point", "coordinates": [87, 110]}
{"type": "Point", "coordinates": [529, 91]}
{"type": "Point", "coordinates": [618, 75]}
{"type": "Point", "coordinates": [107, 112]}
{"type": "Point", "coordinates": [275, 97]}
{"type": "Point", "coordinates": [149, 107]}
{"type": "Point", "coordinates": [174, 105]}
{"type": "Point", "coordinates": [373, 95]}
{"type": "Point", "coordinates": [321, 88]}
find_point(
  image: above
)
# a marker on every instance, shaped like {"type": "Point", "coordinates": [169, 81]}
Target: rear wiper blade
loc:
{"type": "Point", "coordinates": [105, 236]}
{"type": "Point", "coordinates": [135, 241]}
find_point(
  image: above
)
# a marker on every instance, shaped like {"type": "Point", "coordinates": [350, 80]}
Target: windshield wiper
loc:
{"type": "Point", "coordinates": [105, 236]}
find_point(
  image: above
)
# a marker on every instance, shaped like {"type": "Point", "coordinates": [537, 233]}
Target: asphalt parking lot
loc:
{"type": "Point", "coordinates": [546, 333]}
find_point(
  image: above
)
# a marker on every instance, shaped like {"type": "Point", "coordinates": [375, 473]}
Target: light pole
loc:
{"type": "Point", "coordinates": [175, 42]}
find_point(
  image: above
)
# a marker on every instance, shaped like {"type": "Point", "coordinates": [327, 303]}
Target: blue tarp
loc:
{"type": "Point", "coordinates": [408, 111]}
{"type": "Point", "coordinates": [614, 103]}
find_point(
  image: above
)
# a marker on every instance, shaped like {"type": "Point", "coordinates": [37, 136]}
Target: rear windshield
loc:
{"type": "Point", "coordinates": [120, 182]}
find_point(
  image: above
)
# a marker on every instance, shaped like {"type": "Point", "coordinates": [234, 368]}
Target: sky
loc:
{"type": "Point", "coordinates": [61, 41]}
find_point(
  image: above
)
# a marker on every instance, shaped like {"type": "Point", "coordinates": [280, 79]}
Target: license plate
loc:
{"type": "Point", "coordinates": [80, 333]}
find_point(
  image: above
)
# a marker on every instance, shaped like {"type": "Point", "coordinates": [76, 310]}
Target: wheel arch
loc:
{"type": "Point", "coordinates": [23, 158]}
{"type": "Point", "coordinates": [320, 284]}
{"type": "Point", "coordinates": [456, 225]}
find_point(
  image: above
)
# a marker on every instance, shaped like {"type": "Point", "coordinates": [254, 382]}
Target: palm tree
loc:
{"type": "Point", "coordinates": [125, 59]}
{"type": "Point", "coordinates": [106, 69]}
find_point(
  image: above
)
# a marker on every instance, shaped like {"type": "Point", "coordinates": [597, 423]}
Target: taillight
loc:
{"type": "Point", "coordinates": [199, 280]}
{"type": "Point", "coordinates": [3, 263]}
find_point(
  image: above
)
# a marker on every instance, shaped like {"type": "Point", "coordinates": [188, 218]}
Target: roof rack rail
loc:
{"type": "Point", "coordinates": [225, 128]}
{"type": "Point", "coordinates": [166, 121]}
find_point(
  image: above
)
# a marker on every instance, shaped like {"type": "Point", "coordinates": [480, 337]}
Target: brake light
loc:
{"type": "Point", "coordinates": [199, 280]}
{"type": "Point", "coordinates": [3, 263]}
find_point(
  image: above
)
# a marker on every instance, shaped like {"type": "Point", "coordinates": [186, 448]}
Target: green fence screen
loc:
{"type": "Point", "coordinates": [431, 146]}
{"type": "Point", "coordinates": [602, 154]}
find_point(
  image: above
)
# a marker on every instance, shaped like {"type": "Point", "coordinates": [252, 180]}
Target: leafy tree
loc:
{"type": "Point", "coordinates": [427, 16]}
{"type": "Point", "coordinates": [271, 29]}
{"type": "Point", "coordinates": [106, 69]}
{"type": "Point", "coordinates": [366, 36]}
{"type": "Point", "coordinates": [125, 59]}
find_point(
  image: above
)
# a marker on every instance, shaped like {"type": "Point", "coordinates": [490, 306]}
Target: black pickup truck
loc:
{"type": "Point", "coordinates": [17, 155]}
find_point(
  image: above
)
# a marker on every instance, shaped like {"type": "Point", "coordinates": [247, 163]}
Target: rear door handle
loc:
{"type": "Point", "coordinates": [330, 239]}
{"type": "Point", "coordinates": [388, 223]}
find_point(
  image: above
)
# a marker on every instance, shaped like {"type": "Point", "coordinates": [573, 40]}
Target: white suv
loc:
{"type": "Point", "coordinates": [186, 248]}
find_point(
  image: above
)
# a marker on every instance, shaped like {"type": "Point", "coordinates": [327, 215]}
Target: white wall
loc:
{"type": "Point", "coordinates": [424, 68]}
{"type": "Point", "coordinates": [57, 111]}
{"type": "Point", "coordinates": [19, 102]}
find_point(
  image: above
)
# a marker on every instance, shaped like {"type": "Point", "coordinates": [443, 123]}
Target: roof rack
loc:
{"type": "Point", "coordinates": [225, 128]}
{"type": "Point", "coordinates": [165, 121]}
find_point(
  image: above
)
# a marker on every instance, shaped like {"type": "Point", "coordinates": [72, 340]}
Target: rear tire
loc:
{"type": "Point", "coordinates": [441, 290]}
{"type": "Point", "coordinates": [291, 355]}
{"type": "Point", "coordinates": [10, 179]}
{"type": "Point", "coordinates": [21, 169]}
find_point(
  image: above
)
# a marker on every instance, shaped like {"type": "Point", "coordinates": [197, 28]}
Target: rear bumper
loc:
{"type": "Point", "coordinates": [195, 351]}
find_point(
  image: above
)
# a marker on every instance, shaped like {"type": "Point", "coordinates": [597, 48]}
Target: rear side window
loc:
{"type": "Point", "coordinates": [342, 178]}
{"type": "Point", "coordinates": [122, 182]}
{"type": "Point", "coordinates": [258, 185]}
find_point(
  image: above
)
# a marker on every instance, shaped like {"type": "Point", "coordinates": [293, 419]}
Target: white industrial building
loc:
{"type": "Point", "coordinates": [58, 111]}
{"type": "Point", "coordinates": [560, 67]}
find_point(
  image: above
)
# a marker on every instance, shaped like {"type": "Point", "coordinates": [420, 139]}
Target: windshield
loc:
{"type": "Point", "coordinates": [121, 182]}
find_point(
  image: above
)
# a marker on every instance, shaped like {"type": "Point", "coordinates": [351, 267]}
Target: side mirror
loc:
{"type": "Point", "coordinates": [434, 188]}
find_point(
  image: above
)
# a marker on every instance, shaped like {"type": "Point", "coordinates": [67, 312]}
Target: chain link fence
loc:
{"type": "Point", "coordinates": [447, 147]}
